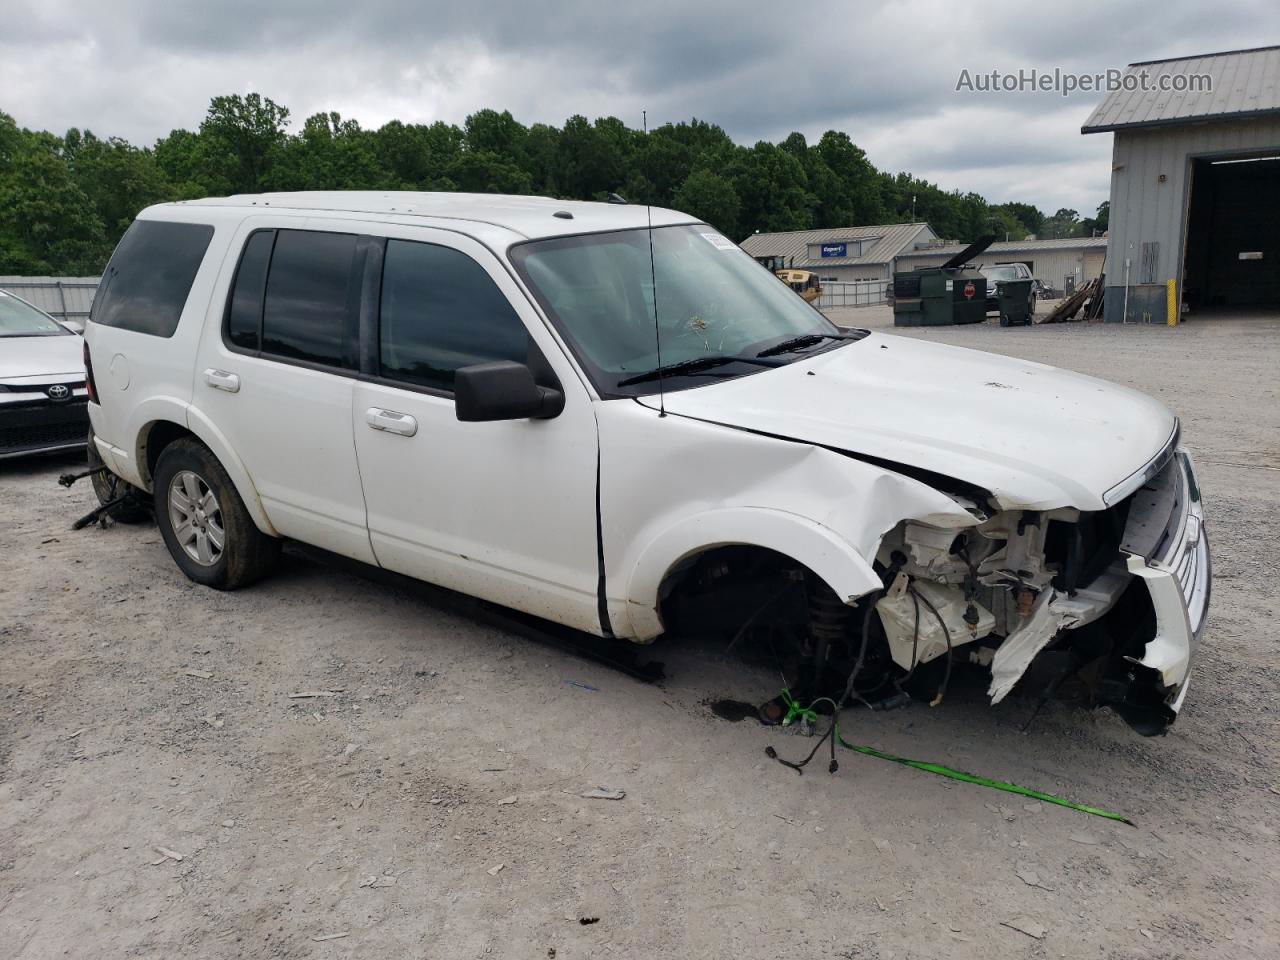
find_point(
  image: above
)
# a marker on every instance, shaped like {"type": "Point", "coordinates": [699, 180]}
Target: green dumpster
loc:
{"type": "Point", "coordinates": [948, 294]}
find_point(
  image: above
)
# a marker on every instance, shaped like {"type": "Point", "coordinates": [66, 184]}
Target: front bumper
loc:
{"type": "Point", "coordinates": [1178, 576]}
{"type": "Point", "coordinates": [31, 422]}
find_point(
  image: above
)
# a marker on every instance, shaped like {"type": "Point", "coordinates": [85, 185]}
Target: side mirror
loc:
{"type": "Point", "coordinates": [502, 390]}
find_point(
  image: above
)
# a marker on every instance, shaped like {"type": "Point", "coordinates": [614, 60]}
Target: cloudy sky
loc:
{"type": "Point", "coordinates": [884, 73]}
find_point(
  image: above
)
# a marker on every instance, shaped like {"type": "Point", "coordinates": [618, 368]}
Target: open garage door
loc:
{"type": "Point", "coordinates": [1233, 233]}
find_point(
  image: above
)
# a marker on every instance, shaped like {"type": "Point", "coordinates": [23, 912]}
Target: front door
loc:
{"type": "Point", "coordinates": [505, 511]}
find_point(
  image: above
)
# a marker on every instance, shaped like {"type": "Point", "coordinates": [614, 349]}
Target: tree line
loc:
{"type": "Point", "coordinates": [66, 199]}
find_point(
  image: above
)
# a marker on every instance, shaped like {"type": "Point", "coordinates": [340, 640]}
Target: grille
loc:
{"type": "Point", "coordinates": [31, 429]}
{"type": "Point", "coordinates": [34, 438]}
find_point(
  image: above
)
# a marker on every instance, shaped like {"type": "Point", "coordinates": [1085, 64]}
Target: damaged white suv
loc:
{"type": "Point", "coordinates": [633, 429]}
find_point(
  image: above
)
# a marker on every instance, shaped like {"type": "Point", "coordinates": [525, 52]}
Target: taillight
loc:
{"type": "Point", "coordinates": [90, 386]}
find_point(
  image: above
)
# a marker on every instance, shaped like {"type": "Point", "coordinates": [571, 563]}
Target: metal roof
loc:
{"type": "Point", "coordinates": [1245, 83]}
{"type": "Point", "coordinates": [1015, 246]}
{"type": "Point", "coordinates": [795, 243]}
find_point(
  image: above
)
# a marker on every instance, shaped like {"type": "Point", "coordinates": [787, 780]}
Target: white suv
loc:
{"type": "Point", "coordinates": [629, 428]}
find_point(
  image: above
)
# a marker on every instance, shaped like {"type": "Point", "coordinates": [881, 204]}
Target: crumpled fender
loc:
{"type": "Point", "coordinates": [698, 486]}
{"type": "Point", "coordinates": [819, 548]}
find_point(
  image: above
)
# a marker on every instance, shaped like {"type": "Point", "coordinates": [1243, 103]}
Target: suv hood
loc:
{"type": "Point", "coordinates": [1035, 436]}
{"type": "Point", "coordinates": [41, 357]}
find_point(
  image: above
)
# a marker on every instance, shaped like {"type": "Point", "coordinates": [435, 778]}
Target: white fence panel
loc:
{"type": "Point", "coordinates": [853, 293]}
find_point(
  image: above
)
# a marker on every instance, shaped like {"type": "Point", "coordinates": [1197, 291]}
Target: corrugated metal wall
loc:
{"type": "Point", "coordinates": [1145, 209]}
{"type": "Point", "coordinates": [67, 298]}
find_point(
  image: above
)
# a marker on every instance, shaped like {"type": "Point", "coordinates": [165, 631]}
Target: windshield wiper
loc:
{"type": "Point", "coordinates": [805, 340]}
{"type": "Point", "coordinates": [691, 366]}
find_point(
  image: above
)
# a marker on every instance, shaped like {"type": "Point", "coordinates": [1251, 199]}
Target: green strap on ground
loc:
{"type": "Point", "coordinates": [794, 710]}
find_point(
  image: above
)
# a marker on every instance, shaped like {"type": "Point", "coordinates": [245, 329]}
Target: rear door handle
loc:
{"type": "Point", "coordinates": [222, 380]}
{"type": "Point", "coordinates": [391, 421]}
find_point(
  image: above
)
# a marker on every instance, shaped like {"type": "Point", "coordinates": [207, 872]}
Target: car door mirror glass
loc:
{"type": "Point", "coordinates": [502, 390]}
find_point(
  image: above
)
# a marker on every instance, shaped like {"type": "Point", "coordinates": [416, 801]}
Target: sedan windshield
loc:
{"type": "Point", "coordinates": [716, 308]}
{"type": "Point", "coordinates": [1000, 273]}
{"type": "Point", "coordinates": [20, 319]}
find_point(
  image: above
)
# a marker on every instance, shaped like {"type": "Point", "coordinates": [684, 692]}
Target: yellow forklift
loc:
{"type": "Point", "coordinates": [803, 282]}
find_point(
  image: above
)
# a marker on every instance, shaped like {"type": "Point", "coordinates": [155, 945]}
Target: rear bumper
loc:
{"type": "Point", "coordinates": [44, 427]}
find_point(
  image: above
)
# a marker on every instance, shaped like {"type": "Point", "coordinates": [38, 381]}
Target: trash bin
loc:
{"type": "Point", "coordinates": [937, 296]}
{"type": "Point", "coordinates": [1013, 298]}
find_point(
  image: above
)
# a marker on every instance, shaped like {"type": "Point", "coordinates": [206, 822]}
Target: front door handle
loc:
{"type": "Point", "coordinates": [391, 421]}
{"type": "Point", "coordinates": [222, 380]}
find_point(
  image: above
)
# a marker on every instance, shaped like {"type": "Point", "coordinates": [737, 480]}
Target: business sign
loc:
{"type": "Point", "coordinates": [834, 250]}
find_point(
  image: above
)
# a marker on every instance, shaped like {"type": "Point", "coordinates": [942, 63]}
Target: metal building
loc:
{"type": "Point", "coordinates": [1195, 185]}
{"type": "Point", "coordinates": [842, 253]}
{"type": "Point", "coordinates": [1065, 264]}
{"type": "Point", "coordinates": [67, 298]}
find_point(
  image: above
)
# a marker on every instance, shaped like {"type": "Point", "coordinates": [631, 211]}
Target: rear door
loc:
{"type": "Point", "coordinates": [276, 376]}
{"type": "Point", "coordinates": [507, 510]}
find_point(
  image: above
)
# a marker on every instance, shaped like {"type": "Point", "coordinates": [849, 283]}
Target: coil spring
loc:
{"type": "Point", "coordinates": [828, 617]}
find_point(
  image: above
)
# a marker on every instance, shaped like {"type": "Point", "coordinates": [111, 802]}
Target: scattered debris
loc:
{"type": "Point", "coordinates": [507, 801]}
{"type": "Point", "coordinates": [215, 722]}
{"type": "Point", "coordinates": [1091, 296]}
{"type": "Point", "coordinates": [167, 854]}
{"type": "Point", "coordinates": [228, 823]}
{"type": "Point", "coordinates": [305, 694]}
{"type": "Point", "coordinates": [492, 769]}
{"type": "Point", "coordinates": [583, 686]}
{"type": "Point", "coordinates": [603, 793]}
{"type": "Point", "coordinates": [1026, 925]}
{"type": "Point", "coordinates": [72, 736]}
{"type": "Point", "coordinates": [884, 847]}
{"type": "Point", "coordinates": [199, 674]}
{"type": "Point", "coordinates": [495, 869]}
{"type": "Point", "coordinates": [1026, 872]}
{"type": "Point", "coordinates": [1088, 839]}
{"type": "Point", "coordinates": [587, 921]}
{"type": "Point", "coordinates": [331, 936]}
{"type": "Point", "coordinates": [49, 540]}
{"type": "Point", "coordinates": [1146, 933]}
{"type": "Point", "coordinates": [376, 882]}
{"type": "Point", "coordinates": [357, 803]}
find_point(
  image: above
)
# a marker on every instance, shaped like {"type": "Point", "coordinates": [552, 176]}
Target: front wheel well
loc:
{"type": "Point", "coordinates": [714, 591]}
{"type": "Point", "coordinates": [155, 437]}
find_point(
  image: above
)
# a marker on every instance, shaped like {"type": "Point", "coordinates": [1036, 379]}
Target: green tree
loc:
{"type": "Point", "coordinates": [238, 138]}
{"type": "Point", "coordinates": [710, 197]}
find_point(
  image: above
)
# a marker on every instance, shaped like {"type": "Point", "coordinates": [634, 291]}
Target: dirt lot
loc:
{"type": "Point", "coordinates": [140, 712]}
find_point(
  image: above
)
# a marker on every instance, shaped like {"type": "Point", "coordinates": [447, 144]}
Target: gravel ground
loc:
{"type": "Point", "coordinates": [429, 805]}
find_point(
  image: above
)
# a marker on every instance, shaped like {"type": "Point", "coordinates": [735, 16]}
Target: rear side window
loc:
{"type": "Point", "coordinates": [147, 282]}
{"type": "Point", "coordinates": [440, 311]}
{"type": "Point", "coordinates": [296, 296]}
{"type": "Point", "coordinates": [244, 311]}
{"type": "Point", "coordinates": [312, 298]}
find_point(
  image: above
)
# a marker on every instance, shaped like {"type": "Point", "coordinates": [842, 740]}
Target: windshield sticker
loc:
{"type": "Point", "coordinates": [718, 241]}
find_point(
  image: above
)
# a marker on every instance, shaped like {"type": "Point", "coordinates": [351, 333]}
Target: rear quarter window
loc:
{"type": "Point", "coordinates": [147, 282]}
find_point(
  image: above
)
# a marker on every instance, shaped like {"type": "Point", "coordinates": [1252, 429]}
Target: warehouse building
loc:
{"type": "Point", "coordinates": [1064, 265]}
{"type": "Point", "coordinates": [841, 254]}
{"type": "Point", "coordinates": [1195, 187]}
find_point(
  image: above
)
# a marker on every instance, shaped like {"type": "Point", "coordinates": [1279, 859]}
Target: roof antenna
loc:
{"type": "Point", "coordinates": [653, 279]}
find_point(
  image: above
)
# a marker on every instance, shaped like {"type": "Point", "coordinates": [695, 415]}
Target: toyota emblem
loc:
{"type": "Point", "coordinates": [58, 392]}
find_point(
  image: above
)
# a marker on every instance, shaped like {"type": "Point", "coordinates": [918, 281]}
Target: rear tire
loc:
{"type": "Point", "coordinates": [205, 525]}
{"type": "Point", "coordinates": [107, 486]}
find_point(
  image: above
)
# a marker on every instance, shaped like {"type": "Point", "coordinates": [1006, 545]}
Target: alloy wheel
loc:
{"type": "Point", "coordinates": [196, 518]}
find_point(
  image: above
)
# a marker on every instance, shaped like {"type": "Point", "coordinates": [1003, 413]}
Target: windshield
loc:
{"type": "Point", "coordinates": [714, 303]}
{"type": "Point", "coordinates": [1000, 273]}
{"type": "Point", "coordinates": [19, 319]}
